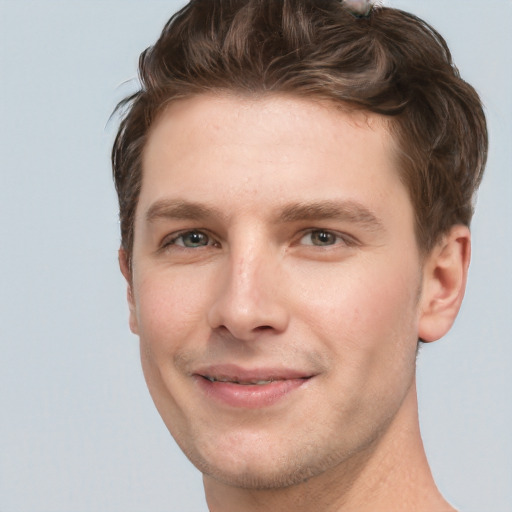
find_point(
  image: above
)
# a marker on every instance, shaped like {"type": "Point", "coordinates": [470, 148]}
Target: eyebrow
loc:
{"type": "Point", "coordinates": [180, 209]}
{"type": "Point", "coordinates": [347, 211]}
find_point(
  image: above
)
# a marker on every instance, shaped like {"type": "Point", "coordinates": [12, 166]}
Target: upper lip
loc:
{"type": "Point", "coordinates": [234, 373]}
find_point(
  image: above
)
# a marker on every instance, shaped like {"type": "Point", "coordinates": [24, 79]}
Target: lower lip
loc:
{"type": "Point", "coordinates": [249, 396]}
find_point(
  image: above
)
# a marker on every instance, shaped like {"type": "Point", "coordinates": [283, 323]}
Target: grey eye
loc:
{"type": "Point", "coordinates": [192, 239]}
{"type": "Point", "coordinates": [320, 237]}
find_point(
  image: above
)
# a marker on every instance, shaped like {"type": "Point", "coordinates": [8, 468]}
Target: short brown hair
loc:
{"type": "Point", "coordinates": [387, 62]}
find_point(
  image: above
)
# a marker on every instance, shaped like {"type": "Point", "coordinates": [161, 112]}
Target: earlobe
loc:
{"type": "Point", "coordinates": [444, 283]}
{"type": "Point", "coordinates": [125, 268]}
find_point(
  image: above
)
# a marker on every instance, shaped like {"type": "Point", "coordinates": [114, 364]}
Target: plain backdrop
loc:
{"type": "Point", "coordinates": [78, 430]}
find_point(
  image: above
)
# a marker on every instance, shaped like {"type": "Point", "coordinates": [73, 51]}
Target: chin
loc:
{"type": "Point", "coordinates": [265, 469]}
{"type": "Point", "coordinates": [257, 479]}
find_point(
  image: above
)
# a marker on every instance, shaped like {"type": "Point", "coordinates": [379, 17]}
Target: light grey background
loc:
{"type": "Point", "coordinates": [78, 431]}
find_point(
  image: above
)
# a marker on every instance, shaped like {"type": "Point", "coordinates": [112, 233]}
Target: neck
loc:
{"type": "Point", "coordinates": [392, 474]}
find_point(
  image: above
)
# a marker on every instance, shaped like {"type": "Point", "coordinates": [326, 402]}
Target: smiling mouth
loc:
{"type": "Point", "coordinates": [239, 388]}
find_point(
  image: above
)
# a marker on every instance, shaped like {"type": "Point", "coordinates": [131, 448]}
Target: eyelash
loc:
{"type": "Point", "coordinates": [346, 240]}
{"type": "Point", "coordinates": [180, 235]}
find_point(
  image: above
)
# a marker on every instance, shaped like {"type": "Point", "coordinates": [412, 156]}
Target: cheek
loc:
{"type": "Point", "coordinates": [170, 315]}
{"type": "Point", "coordinates": [169, 309]}
{"type": "Point", "coordinates": [365, 311]}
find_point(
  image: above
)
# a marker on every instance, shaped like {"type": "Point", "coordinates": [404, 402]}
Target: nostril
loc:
{"type": "Point", "coordinates": [263, 328]}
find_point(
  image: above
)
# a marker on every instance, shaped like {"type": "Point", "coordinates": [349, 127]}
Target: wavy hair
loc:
{"type": "Point", "coordinates": [387, 62]}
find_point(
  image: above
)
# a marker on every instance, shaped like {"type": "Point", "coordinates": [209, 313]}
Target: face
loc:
{"type": "Point", "coordinates": [275, 285]}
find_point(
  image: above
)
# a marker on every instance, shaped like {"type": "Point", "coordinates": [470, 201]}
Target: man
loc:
{"type": "Point", "coordinates": [295, 181]}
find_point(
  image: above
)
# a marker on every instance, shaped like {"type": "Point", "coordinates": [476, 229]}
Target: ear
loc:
{"type": "Point", "coordinates": [444, 282]}
{"type": "Point", "coordinates": [125, 267]}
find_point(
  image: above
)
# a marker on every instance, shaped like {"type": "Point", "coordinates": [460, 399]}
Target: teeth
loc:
{"type": "Point", "coordinates": [249, 383]}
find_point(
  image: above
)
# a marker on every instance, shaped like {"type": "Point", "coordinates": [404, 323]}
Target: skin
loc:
{"type": "Point", "coordinates": [274, 232]}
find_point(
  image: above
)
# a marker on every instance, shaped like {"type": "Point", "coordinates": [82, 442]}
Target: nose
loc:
{"type": "Point", "coordinates": [250, 296]}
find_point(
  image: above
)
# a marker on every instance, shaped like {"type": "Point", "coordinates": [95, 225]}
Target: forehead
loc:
{"type": "Point", "coordinates": [275, 119]}
{"type": "Point", "coordinates": [264, 149]}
